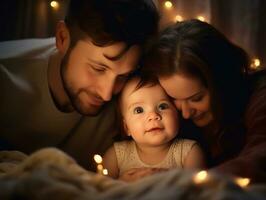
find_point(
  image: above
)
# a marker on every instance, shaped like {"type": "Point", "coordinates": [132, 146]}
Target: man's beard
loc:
{"type": "Point", "coordinates": [74, 96]}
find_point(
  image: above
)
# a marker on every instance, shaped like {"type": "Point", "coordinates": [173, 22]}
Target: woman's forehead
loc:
{"type": "Point", "coordinates": [180, 86]}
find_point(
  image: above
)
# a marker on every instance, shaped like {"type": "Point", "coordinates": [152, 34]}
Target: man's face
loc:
{"type": "Point", "coordinates": [92, 74]}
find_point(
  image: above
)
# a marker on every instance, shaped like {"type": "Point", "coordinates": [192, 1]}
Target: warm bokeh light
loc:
{"type": "Point", "coordinates": [178, 18]}
{"type": "Point", "coordinates": [97, 158]}
{"type": "Point", "coordinates": [200, 177]}
{"type": "Point", "coordinates": [54, 5]}
{"type": "Point", "coordinates": [100, 167]}
{"type": "Point", "coordinates": [242, 182]}
{"type": "Point", "coordinates": [168, 4]}
{"type": "Point", "coordinates": [255, 63]}
{"type": "Point", "coordinates": [105, 172]}
{"type": "Point", "coordinates": [201, 18]}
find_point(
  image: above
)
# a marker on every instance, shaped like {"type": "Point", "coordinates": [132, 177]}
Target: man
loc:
{"type": "Point", "coordinates": [48, 91]}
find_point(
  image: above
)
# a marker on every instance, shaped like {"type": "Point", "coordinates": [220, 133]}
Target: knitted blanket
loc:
{"type": "Point", "coordinates": [50, 174]}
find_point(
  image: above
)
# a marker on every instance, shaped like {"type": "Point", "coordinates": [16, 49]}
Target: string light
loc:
{"type": "Point", "coordinates": [98, 159]}
{"type": "Point", "coordinates": [255, 63]}
{"type": "Point", "coordinates": [168, 4]}
{"type": "Point", "coordinates": [201, 18]}
{"type": "Point", "coordinates": [200, 177]}
{"type": "Point", "coordinates": [105, 172]}
{"type": "Point", "coordinates": [178, 18]}
{"type": "Point", "coordinates": [100, 169]}
{"type": "Point", "coordinates": [242, 182]}
{"type": "Point", "coordinates": [54, 5]}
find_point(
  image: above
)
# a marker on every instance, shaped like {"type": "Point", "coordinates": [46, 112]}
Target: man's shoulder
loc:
{"type": "Point", "coordinates": [22, 60]}
{"type": "Point", "coordinates": [26, 48]}
{"type": "Point", "coordinates": [23, 69]}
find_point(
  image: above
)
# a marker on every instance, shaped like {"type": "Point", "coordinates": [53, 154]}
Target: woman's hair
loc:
{"type": "Point", "coordinates": [108, 21]}
{"type": "Point", "coordinates": [197, 50]}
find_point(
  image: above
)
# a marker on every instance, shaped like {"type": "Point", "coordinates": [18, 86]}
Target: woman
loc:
{"type": "Point", "coordinates": [208, 79]}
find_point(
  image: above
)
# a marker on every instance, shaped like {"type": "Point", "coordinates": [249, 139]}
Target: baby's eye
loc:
{"type": "Point", "coordinates": [163, 106]}
{"type": "Point", "coordinates": [138, 110]}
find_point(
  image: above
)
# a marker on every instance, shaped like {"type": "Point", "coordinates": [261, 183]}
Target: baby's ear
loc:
{"type": "Point", "coordinates": [125, 128]}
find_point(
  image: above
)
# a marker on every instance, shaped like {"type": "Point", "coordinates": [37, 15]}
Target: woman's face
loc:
{"type": "Point", "coordinates": [190, 97]}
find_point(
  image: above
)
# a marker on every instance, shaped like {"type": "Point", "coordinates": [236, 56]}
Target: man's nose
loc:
{"type": "Point", "coordinates": [107, 89]}
{"type": "Point", "coordinates": [154, 116]}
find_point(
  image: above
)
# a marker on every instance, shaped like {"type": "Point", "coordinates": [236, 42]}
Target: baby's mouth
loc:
{"type": "Point", "coordinates": [154, 129]}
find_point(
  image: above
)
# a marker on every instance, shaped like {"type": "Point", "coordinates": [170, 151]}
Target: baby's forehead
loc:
{"type": "Point", "coordinates": [144, 93]}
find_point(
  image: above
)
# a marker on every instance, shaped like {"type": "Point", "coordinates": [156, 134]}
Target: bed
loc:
{"type": "Point", "coordinates": [50, 174]}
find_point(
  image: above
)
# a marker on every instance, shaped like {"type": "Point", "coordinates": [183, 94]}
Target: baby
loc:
{"type": "Point", "coordinates": [151, 120]}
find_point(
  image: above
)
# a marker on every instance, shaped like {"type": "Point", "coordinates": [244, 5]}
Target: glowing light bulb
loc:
{"type": "Point", "coordinates": [98, 159]}
{"type": "Point", "coordinates": [100, 170]}
{"type": "Point", "coordinates": [168, 4]}
{"type": "Point", "coordinates": [99, 167]}
{"type": "Point", "coordinates": [105, 172]}
{"type": "Point", "coordinates": [178, 18]}
{"type": "Point", "coordinates": [255, 63]}
{"type": "Point", "coordinates": [200, 177]}
{"type": "Point", "coordinates": [54, 5]}
{"type": "Point", "coordinates": [242, 182]}
{"type": "Point", "coordinates": [201, 18]}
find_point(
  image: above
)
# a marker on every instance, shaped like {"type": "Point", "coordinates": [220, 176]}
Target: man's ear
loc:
{"type": "Point", "coordinates": [62, 37]}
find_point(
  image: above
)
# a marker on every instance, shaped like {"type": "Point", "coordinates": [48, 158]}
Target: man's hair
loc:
{"type": "Point", "coordinates": [109, 21]}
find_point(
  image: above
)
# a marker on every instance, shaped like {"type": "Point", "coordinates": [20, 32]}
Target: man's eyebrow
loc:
{"type": "Point", "coordinates": [119, 55]}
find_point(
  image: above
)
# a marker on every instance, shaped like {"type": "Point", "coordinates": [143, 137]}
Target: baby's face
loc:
{"type": "Point", "coordinates": [149, 115]}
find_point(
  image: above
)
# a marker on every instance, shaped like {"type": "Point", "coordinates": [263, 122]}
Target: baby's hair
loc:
{"type": "Point", "coordinates": [146, 81]}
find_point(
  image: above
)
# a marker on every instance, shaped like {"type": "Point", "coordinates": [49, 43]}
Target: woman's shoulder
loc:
{"type": "Point", "coordinates": [256, 107]}
{"type": "Point", "coordinates": [257, 83]}
{"type": "Point", "coordinates": [257, 80]}
{"type": "Point", "coordinates": [257, 90]}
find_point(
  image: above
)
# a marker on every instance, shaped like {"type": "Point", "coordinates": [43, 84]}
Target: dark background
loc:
{"type": "Point", "coordinates": [243, 21]}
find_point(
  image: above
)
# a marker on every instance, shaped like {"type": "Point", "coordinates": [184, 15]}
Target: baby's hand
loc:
{"type": "Point", "coordinates": [137, 173]}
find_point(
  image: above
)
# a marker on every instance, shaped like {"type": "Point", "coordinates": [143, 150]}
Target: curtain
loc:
{"type": "Point", "coordinates": [242, 21]}
{"type": "Point", "coordinates": [29, 18]}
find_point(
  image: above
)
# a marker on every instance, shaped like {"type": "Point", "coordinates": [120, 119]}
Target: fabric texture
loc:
{"type": "Point", "coordinates": [29, 118]}
{"type": "Point", "coordinates": [51, 174]}
{"type": "Point", "coordinates": [128, 158]}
